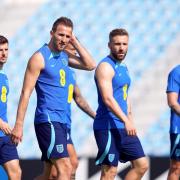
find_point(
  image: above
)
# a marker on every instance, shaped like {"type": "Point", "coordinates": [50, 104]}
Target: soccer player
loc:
{"type": "Point", "coordinates": [173, 98]}
{"type": "Point", "coordinates": [73, 93]}
{"type": "Point", "coordinates": [8, 153]}
{"type": "Point", "coordinates": [48, 71]}
{"type": "Point", "coordinates": [114, 130]}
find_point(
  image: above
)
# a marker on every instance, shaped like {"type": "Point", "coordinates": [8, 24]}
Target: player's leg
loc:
{"type": "Point", "coordinates": [131, 150]}
{"type": "Point", "coordinates": [60, 169]}
{"type": "Point", "coordinates": [53, 173]}
{"type": "Point", "coordinates": [59, 154]}
{"type": "Point", "coordinates": [139, 167]}
{"type": "Point", "coordinates": [46, 172]}
{"type": "Point", "coordinates": [63, 167]}
{"type": "Point", "coordinates": [108, 172]}
{"type": "Point", "coordinates": [107, 155]}
{"type": "Point", "coordinates": [52, 139]}
{"type": "Point", "coordinates": [73, 159]}
{"type": "Point", "coordinates": [13, 169]}
{"type": "Point", "coordinates": [72, 155]}
{"type": "Point", "coordinates": [43, 134]}
{"type": "Point", "coordinates": [9, 158]}
{"type": "Point", "coordinates": [174, 170]}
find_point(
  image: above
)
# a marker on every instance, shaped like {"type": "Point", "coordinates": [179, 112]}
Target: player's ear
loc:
{"type": "Point", "coordinates": [51, 33]}
{"type": "Point", "coordinates": [109, 45]}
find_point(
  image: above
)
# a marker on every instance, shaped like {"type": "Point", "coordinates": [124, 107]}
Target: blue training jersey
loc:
{"type": "Point", "coordinates": [105, 119]}
{"type": "Point", "coordinates": [71, 85]}
{"type": "Point", "coordinates": [51, 87]}
{"type": "Point", "coordinates": [174, 86]}
{"type": "Point", "coordinates": [4, 90]}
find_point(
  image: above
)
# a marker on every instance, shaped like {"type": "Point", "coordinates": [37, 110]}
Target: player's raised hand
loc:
{"type": "Point", "coordinates": [73, 39]}
{"type": "Point", "coordinates": [17, 134]}
{"type": "Point", "coordinates": [5, 127]}
{"type": "Point", "coordinates": [131, 130]}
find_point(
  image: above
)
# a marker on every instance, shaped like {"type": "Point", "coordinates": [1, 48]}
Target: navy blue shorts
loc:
{"type": "Point", "coordinates": [8, 150]}
{"type": "Point", "coordinates": [115, 145]}
{"type": "Point", "coordinates": [175, 146]}
{"type": "Point", "coordinates": [69, 139]}
{"type": "Point", "coordinates": [52, 140]}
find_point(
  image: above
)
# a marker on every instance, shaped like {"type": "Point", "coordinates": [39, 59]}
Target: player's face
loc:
{"type": "Point", "coordinates": [61, 37]}
{"type": "Point", "coordinates": [3, 53]}
{"type": "Point", "coordinates": [119, 46]}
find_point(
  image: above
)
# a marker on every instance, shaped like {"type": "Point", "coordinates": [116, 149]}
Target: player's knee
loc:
{"type": "Point", "coordinates": [68, 166]}
{"type": "Point", "coordinates": [109, 171]}
{"type": "Point", "coordinates": [175, 167]}
{"type": "Point", "coordinates": [65, 167]}
{"type": "Point", "coordinates": [143, 167]}
{"type": "Point", "coordinates": [113, 172]}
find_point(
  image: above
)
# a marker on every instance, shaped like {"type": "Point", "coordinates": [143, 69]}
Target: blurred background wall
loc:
{"type": "Point", "coordinates": [154, 27]}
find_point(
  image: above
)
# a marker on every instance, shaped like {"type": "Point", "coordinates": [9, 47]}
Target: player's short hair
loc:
{"type": "Point", "coordinates": [116, 32]}
{"type": "Point", "coordinates": [62, 20]}
{"type": "Point", "coordinates": [3, 40]}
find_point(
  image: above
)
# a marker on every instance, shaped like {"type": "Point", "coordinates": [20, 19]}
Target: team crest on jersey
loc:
{"type": "Point", "coordinates": [64, 61]}
{"type": "Point", "coordinates": [111, 157]}
{"type": "Point", "coordinates": [60, 148]}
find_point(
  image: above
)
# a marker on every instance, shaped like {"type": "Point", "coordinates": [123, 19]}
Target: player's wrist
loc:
{"type": "Point", "coordinates": [19, 125]}
{"type": "Point", "coordinates": [126, 120]}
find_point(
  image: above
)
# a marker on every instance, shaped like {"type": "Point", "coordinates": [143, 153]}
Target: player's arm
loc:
{"type": "Point", "coordinates": [172, 98]}
{"type": "Point", "coordinates": [104, 75]}
{"type": "Point", "coordinates": [129, 109]}
{"type": "Point", "coordinates": [84, 61]}
{"type": "Point", "coordinates": [82, 103]}
{"type": "Point", "coordinates": [35, 65]}
{"type": "Point", "coordinates": [4, 126]}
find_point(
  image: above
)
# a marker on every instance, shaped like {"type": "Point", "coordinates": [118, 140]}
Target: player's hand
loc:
{"type": "Point", "coordinates": [5, 127]}
{"type": "Point", "coordinates": [131, 130]}
{"type": "Point", "coordinates": [73, 40]}
{"type": "Point", "coordinates": [17, 134]}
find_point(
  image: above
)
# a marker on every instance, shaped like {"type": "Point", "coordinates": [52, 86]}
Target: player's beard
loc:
{"type": "Point", "coordinates": [3, 60]}
{"type": "Point", "coordinates": [115, 56]}
{"type": "Point", "coordinates": [57, 45]}
{"type": "Point", "coordinates": [62, 46]}
{"type": "Point", "coordinates": [2, 64]}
